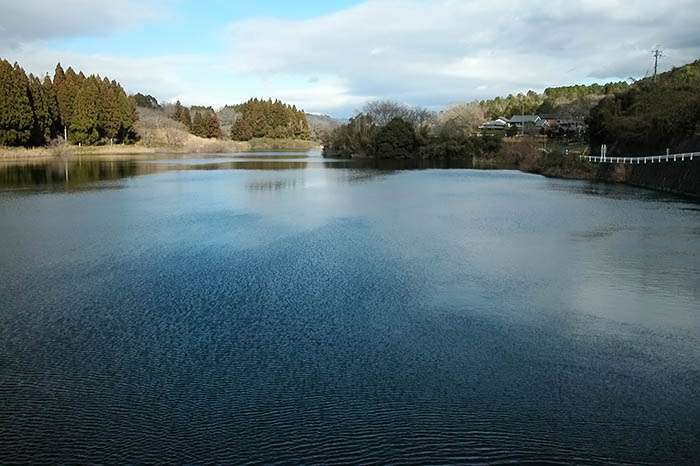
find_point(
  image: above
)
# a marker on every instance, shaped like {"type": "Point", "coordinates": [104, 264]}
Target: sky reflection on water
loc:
{"type": "Point", "coordinates": [311, 311]}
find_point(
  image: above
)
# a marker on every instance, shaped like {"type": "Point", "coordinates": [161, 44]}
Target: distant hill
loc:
{"type": "Point", "coordinates": [321, 124]}
{"type": "Point", "coordinates": [652, 115]}
{"type": "Point", "coordinates": [575, 101]}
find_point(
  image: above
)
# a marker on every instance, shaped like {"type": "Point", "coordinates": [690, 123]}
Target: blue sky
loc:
{"type": "Point", "coordinates": [333, 56]}
{"type": "Point", "coordinates": [193, 27]}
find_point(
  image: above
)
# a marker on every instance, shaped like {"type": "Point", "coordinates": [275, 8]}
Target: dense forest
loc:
{"type": "Point", "coordinates": [652, 115]}
{"type": "Point", "coordinates": [204, 123]}
{"type": "Point", "coordinates": [89, 109]}
{"type": "Point", "coordinates": [242, 122]}
{"type": "Point", "coordinates": [265, 118]}
{"type": "Point", "coordinates": [575, 101]}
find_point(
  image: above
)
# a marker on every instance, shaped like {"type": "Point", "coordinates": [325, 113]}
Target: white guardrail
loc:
{"type": "Point", "coordinates": [644, 159]}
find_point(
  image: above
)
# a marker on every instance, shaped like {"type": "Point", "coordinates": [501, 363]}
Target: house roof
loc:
{"type": "Point", "coordinates": [494, 125]}
{"type": "Point", "coordinates": [555, 116]}
{"type": "Point", "coordinates": [524, 118]}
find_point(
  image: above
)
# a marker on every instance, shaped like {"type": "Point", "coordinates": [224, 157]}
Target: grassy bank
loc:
{"type": "Point", "coordinates": [528, 155]}
{"type": "Point", "coordinates": [191, 145]}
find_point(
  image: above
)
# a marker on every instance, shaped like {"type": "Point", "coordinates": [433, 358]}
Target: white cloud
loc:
{"type": "Point", "coordinates": [24, 21]}
{"type": "Point", "coordinates": [430, 53]}
{"type": "Point", "coordinates": [447, 50]}
{"type": "Point", "coordinates": [324, 94]}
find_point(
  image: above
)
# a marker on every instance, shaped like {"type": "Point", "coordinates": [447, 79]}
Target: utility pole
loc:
{"type": "Point", "coordinates": [657, 53]}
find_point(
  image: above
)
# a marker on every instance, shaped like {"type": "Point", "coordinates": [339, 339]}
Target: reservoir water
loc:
{"type": "Point", "coordinates": [285, 309]}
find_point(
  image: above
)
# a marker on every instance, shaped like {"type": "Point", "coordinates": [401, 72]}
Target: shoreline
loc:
{"type": "Point", "coordinates": [666, 179]}
{"type": "Point", "coordinates": [216, 146]}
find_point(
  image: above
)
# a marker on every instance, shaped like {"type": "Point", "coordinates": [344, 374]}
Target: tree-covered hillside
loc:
{"type": "Point", "coordinates": [654, 114]}
{"type": "Point", "coordinates": [575, 101]}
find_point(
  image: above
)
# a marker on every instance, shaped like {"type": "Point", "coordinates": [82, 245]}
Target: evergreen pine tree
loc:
{"type": "Point", "coordinates": [305, 132]}
{"type": "Point", "coordinates": [255, 114]}
{"type": "Point", "coordinates": [69, 91]}
{"type": "Point", "coordinates": [241, 130]}
{"type": "Point", "coordinates": [52, 105]}
{"type": "Point", "coordinates": [279, 117]}
{"type": "Point", "coordinates": [108, 117]}
{"type": "Point", "coordinates": [198, 128]}
{"type": "Point", "coordinates": [177, 113]}
{"type": "Point", "coordinates": [134, 118]}
{"type": "Point", "coordinates": [83, 122]}
{"type": "Point", "coordinates": [43, 120]}
{"type": "Point", "coordinates": [61, 88]}
{"type": "Point", "coordinates": [16, 115]}
{"type": "Point", "coordinates": [182, 114]}
{"type": "Point", "coordinates": [128, 114]}
{"type": "Point", "coordinates": [7, 125]}
{"type": "Point", "coordinates": [211, 123]}
{"type": "Point", "coordinates": [186, 118]}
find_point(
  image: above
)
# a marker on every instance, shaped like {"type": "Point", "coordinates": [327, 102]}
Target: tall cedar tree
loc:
{"type": "Point", "coordinates": [73, 84]}
{"type": "Point", "coordinates": [43, 117]}
{"type": "Point", "coordinates": [241, 130]}
{"type": "Point", "coordinates": [182, 114]}
{"type": "Point", "coordinates": [52, 102]}
{"type": "Point", "coordinates": [128, 113]}
{"type": "Point", "coordinates": [16, 115]}
{"type": "Point", "coordinates": [198, 125]}
{"type": "Point", "coordinates": [61, 89]}
{"type": "Point", "coordinates": [205, 124]}
{"type": "Point", "coordinates": [212, 125]}
{"type": "Point", "coordinates": [108, 115]}
{"type": "Point", "coordinates": [187, 118]}
{"type": "Point", "coordinates": [83, 122]}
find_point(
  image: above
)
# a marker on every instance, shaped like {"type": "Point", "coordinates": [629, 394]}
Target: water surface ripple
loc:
{"type": "Point", "coordinates": [227, 311]}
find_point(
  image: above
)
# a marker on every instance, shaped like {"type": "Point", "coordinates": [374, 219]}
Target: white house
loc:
{"type": "Point", "coordinates": [499, 123]}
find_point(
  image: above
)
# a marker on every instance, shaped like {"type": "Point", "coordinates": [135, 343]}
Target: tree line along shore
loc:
{"type": "Point", "coordinates": [95, 113]}
{"type": "Point", "coordinates": [648, 116]}
{"type": "Point", "coordinates": [72, 113]}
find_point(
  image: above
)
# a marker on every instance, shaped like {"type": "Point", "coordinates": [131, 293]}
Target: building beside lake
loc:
{"type": "Point", "coordinates": [523, 121]}
{"type": "Point", "coordinates": [500, 123]}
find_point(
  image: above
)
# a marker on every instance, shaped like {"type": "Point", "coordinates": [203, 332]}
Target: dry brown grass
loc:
{"type": "Point", "coordinates": [190, 145]}
{"type": "Point", "coordinates": [9, 153]}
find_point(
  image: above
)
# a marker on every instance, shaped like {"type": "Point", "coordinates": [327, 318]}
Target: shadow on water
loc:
{"type": "Point", "coordinates": [68, 173]}
{"type": "Point", "coordinates": [81, 173]}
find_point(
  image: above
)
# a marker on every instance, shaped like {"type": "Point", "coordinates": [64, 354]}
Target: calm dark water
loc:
{"type": "Point", "coordinates": [265, 309]}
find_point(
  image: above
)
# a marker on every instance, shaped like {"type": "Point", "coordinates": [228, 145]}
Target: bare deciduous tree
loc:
{"type": "Point", "coordinates": [383, 111]}
{"type": "Point", "coordinates": [156, 128]}
{"type": "Point", "coordinates": [461, 118]}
